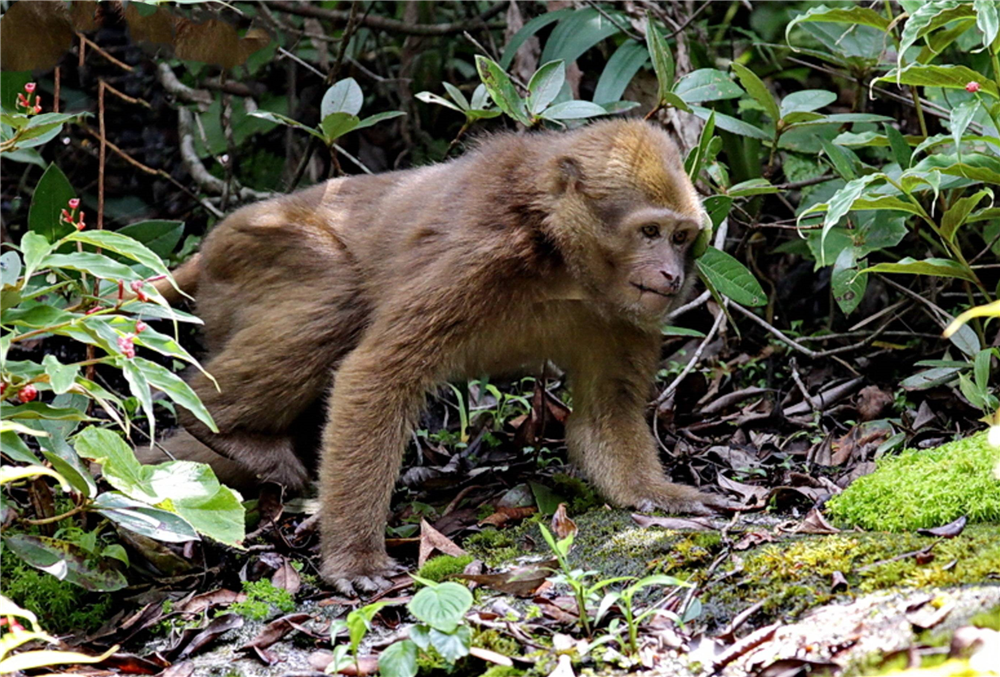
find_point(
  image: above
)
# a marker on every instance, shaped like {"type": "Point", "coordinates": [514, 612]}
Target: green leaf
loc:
{"type": "Point", "coordinates": [220, 517]}
{"type": "Point", "coordinates": [931, 378]}
{"type": "Point", "coordinates": [379, 117]}
{"type": "Point", "coordinates": [900, 149]}
{"type": "Point", "coordinates": [442, 606]}
{"type": "Point", "coordinates": [398, 660]}
{"type": "Point", "coordinates": [973, 166]}
{"type": "Point", "coordinates": [839, 119]}
{"type": "Point", "coordinates": [961, 116]}
{"type": "Point", "coordinates": [619, 71]}
{"type": "Point", "coordinates": [65, 561]}
{"type": "Point", "coordinates": [663, 58]}
{"type": "Point", "coordinates": [987, 20]}
{"type": "Point", "coordinates": [139, 387]}
{"type": "Point", "coordinates": [97, 265]}
{"type": "Point", "coordinates": [806, 101]}
{"type": "Point", "coordinates": [452, 646]}
{"type": "Point", "coordinates": [14, 447]}
{"type": "Point", "coordinates": [143, 519]}
{"type": "Point", "coordinates": [123, 245]}
{"type": "Point", "coordinates": [847, 284]}
{"type": "Point", "coordinates": [958, 212]}
{"type": "Point", "coordinates": [706, 84]}
{"type": "Point", "coordinates": [573, 110]}
{"type": "Point", "coordinates": [118, 463]}
{"type": "Point", "coordinates": [928, 18]}
{"type": "Point", "coordinates": [848, 15]}
{"type": "Point", "coordinates": [731, 124]}
{"type": "Point", "coordinates": [52, 194]}
{"type": "Point", "coordinates": [731, 278]}
{"type": "Point", "coordinates": [502, 90]}
{"type": "Point", "coordinates": [544, 86]}
{"type": "Point", "coordinates": [40, 410]}
{"type": "Point", "coordinates": [343, 97]}
{"type": "Point", "coordinates": [840, 204]}
{"type": "Point", "coordinates": [287, 121]}
{"type": "Point", "coordinates": [335, 125]}
{"type": "Point", "coordinates": [578, 32]}
{"type": "Point", "coordinates": [671, 99]}
{"type": "Point", "coordinates": [756, 88]}
{"type": "Point", "coordinates": [429, 97]}
{"type": "Point", "coordinates": [952, 77]}
{"type": "Point", "coordinates": [932, 266]}
{"type": "Point", "coordinates": [841, 161]}
{"type": "Point", "coordinates": [696, 158]}
{"type": "Point", "coordinates": [673, 330]}
{"type": "Point", "coordinates": [982, 368]}
{"type": "Point", "coordinates": [10, 268]}
{"type": "Point", "coordinates": [160, 236]}
{"type": "Point", "coordinates": [456, 94]}
{"type": "Point", "coordinates": [35, 247]}
{"type": "Point", "coordinates": [175, 388]}
{"type": "Point", "coordinates": [527, 31]}
{"type": "Point", "coordinates": [61, 377]}
{"type": "Point", "coordinates": [751, 188]}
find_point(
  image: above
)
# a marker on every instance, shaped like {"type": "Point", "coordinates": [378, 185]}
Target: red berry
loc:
{"type": "Point", "coordinates": [140, 326]}
{"type": "Point", "coordinates": [126, 346]}
{"type": "Point", "coordinates": [27, 393]}
{"type": "Point", "coordinates": [29, 87]}
{"type": "Point", "coordinates": [74, 203]}
{"type": "Point", "coordinates": [3, 389]}
{"type": "Point", "coordinates": [972, 87]}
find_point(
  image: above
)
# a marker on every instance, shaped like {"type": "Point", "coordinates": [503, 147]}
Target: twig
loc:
{"type": "Point", "coordinates": [173, 86]}
{"type": "Point", "coordinates": [802, 386]}
{"type": "Point", "coordinates": [720, 316]}
{"type": "Point", "coordinates": [623, 29]}
{"type": "Point", "coordinates": [826, 397]}
{"type": "Point", "coordinates": [721, 403]}
{"type": "Point", "coordinates": [96, 48]}
{"type": "Point", "coordinates": [386, 24]}
{"type": "Point", "coordinates": [197, 170]}
{"type": "Point", "coordinates": [690, 19]}
{"type": "Point", "coordinates": [677, 312]}
{"type": "Point", "coordinates": [358, 163]}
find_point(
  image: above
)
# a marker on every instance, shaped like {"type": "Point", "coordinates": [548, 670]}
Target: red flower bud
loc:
{"type": "Point", "coordinates": [74, 203]}
{"type": "Point", "coordinates": [81, 225]}
{"type": "Point", "coordinates": [27, 393]}
{"type": "Point", "coordinates": [972, 87]}
{"type": "Point", "coordinates": [29, 87]}
{"type": "Point", "coordinates": [93, 310]}
{"type": "Point", "coordinates": [22, 100]}
{"type": "Point", "coordinates": [140, 326]}
{"type": "Point", "coordinates": [126, 346]}
{"type": "Point", "coordinates": [3, 389]}
{"type": "Point", "coordinates": [66, 216]}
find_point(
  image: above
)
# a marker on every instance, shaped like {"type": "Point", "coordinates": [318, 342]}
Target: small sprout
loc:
{"type": "Point", "coordinates": [126, 345]}
{"type": "Point", "coordinates": [972, 87]}
{"type": "Point", "coordinates": [27, 394]}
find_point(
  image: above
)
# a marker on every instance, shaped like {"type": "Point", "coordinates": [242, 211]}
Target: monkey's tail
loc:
{"type": "Point", "coordinates": [187, 279]}
{"type": "Point", "coordinates": [183, 446]}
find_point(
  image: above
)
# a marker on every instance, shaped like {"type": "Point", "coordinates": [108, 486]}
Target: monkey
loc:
{"type": "Point", "coordinates": [355, 297]}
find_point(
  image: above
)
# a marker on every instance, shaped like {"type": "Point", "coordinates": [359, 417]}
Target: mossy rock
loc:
{"type": "Point", "coordinates": [921, 489]}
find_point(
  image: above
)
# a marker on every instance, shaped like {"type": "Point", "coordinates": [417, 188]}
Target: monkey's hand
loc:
{"type": "Point", "coordinates": [679, 499]}
{"type": "Point", "coordinates": [360, 579]}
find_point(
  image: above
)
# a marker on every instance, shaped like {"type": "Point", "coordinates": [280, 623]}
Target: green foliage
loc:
{"type": "Point", "coordinates": [442, 567]}
{"type": "Point", "coordinates": [263, 601]}
{"type": "Point", "coordinates": [929, 488]}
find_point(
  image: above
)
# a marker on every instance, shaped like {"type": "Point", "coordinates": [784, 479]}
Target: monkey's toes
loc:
{"type": "Point", "coordinates": [360, 585]}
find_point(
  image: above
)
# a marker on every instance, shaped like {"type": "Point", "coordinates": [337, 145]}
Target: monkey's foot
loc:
{"type": "Point", "coordinates": [358, 581]}
{"type": "Point", "coordinates": [681, 499]}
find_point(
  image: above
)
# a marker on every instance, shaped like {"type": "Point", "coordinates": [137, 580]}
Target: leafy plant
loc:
{"type": "Point", "coordinates": [14, 635]}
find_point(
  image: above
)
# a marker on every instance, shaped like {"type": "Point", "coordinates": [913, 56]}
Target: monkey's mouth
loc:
{"type": "Point", "coordinates": [641, 287]}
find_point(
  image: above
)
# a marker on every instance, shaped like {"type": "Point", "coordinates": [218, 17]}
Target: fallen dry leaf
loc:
{"type": "Point", "coordinates": [562, 525]}
{"type": "Point", "coordinates": [950, 530]}
{"type": "Point", "coordinates": [433, 541]}
{"type": "Point", "coordinates": [520, 582]}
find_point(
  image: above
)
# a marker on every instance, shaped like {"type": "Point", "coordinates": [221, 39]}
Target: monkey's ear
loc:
{"type": "Point", "coordinates": [566, 176]}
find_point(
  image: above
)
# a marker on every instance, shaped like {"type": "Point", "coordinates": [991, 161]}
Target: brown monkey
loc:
{"type": "Point", "coordinates": [369, 291]}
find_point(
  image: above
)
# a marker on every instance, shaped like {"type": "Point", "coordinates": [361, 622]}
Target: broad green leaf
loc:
{"type": "Point", "coordinates": [696, 158]}
{"type": "Point", "coordinates": [952, 77]}
{"type": "Point", "coordinates": [840, 204]}
{"type": "Point", "coordinates": [671, 99]}
{"type": "Point", "coordinates": [175, 388]}
{"type": "Point", "coordinates": [847, 284]}
{"type": "Point", "coordinates": [502, 90]}
{"type": "Point", "coordinates": [751, 188]}
{"type": "Point", "coordinates": [44, 658]}
{"type": "Point", "coordinates": [379, 117]}
{"type": "Point", "coordinates": [480, 96]}
{"type": "Point", "coordinates": [938, 41]}
{"type": "Point", "coordinates": [756, 88]}
{"type": "Point", "coordinates": [442, 606]}
{"type": "Point", "coordinates": [806, 101]}
{"type": "Point", "coordinates": [706, 84]}
{"type": "Point", "coordinates": [573, 110]}
{"type": "Point", "coordinates": [456, 94]}
{"type": "Point", "coordinates": [51, 195]}
{"type": "Point", "coordinates": [13, 446]}
{"type": "Point", "coordinates": [527, 31]}
{"type": "Point", "coordinates": [10, 268]}
{"type": "Point", "coordinates": [40, 410]}
{"type": "Point", "coordinates": [847, 15]}
{"type": "Point", "coordinates": [335, 125]}
{"type": "Point", "coordinates": [928, 18]}
{"type": "Point", "coordinates": [616, 107]}
{"type": "Point", "coordinates": [961, 116]}
{"type": "Point", "coordinates": [118, 463]}
{"type": "Point", "coordinates": [870, 202]}
{"type": "Point", "coordinates": [731, 124]}
{"type": "Point", "coordinates": [35, 247]}
{"type": "Point", "coordinates": [801, 117]}
{"type": "Point", "coordinates": [580, 31]}
{"type": "Point", "coordinates": [731, 278]}
{"type": "Point", "coordinates": [139, 387]}
{"type": "Point", "coordinates": [931, 266]}
{"type": "Point", "coordinates": [930, 378]}
{"type": "Point", "coordinates": [123, 245]}
{"type": "Point", "coordinates": [343, 97]}
{"type": "Point", "coordinates": [429, 97]}
{"type": "Point", "coordinates": [287, 121]}
{"type": "Point", "coordinates": [220, 517]}
{"type": "Point", "coordinates": [619, 71]}
{"type": "Point", "coordinates": [13, 473]}
{"type": "Point", "coordinates": [987, 20]}
{"type": "Point", "coordinates": [841, 118]}
{"type": "Point", "coordinates": [65, 561]}
{"type": "Point", "coordinates": [143, 519]}
{"type": "Point", "coordinates": [840, 160]}
{"type": "Point", "coordinates": [956, 215]}
{"type": "Point", "coordinates": [452, 646]}
{"type": "Point", "coordinates": [900, 149]}
{"type": "Point", "coordinates": [97, 265]}
{"type": "Point", "coordinates": [981, 370]}
{"type": "Point", "coordinates": [973, 166]}
{"type": "Point", "coordinates": [399, 659]}
{"type": "Point", "coordinates": [663, 58]}
{"type": "Point", "coordinates": [61, 376]}
{"type": "Point", "coordinates": [160, 236]}
{"type": "Point", "coordinates": [544, 86]}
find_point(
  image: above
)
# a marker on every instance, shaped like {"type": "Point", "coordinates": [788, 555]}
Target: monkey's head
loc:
{"type": "Point", "coordinates": [625, 216]}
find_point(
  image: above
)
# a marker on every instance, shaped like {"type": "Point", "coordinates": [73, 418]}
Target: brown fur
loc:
{"type": "Point", "coordinates": [375, 289]}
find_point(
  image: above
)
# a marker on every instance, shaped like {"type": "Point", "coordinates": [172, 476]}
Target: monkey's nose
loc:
{"type": "Point", "coordinates": [673, 281]}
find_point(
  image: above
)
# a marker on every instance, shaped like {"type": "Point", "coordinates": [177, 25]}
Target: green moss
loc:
{"type": "Point", "coordinates": [263, 600]}
{"type": "Point", "coordinates": [494, 546]}
{"type": "Point", "coordinates": [444, 567]}
{"type": "Point", "coordinates": [502, 671]}
{"type": "Point", "coordinates": [60, 606]}
{"type": "Point", "coordinates": [494, 641]}
{"type": "Point", "coordinates": [919, 489]}
{"type": "Point", "coordinates": [987, 619]}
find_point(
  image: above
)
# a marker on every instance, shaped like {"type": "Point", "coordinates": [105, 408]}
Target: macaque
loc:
{"type": "Point", "coordinates": [337, 308]}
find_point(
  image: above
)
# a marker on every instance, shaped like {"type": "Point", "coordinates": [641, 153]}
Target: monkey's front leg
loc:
{"type": "Point", "coordinates": [608, 437]}
{"type": "Point", "coordinates": [375, 400]}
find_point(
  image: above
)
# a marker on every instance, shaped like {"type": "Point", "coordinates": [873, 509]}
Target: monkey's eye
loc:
{"type": "Point", "coordinates": [651, 230]}
{"type": "Point", "coordinates": [680, 237]}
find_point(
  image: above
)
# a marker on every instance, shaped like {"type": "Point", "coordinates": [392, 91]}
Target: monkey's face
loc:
{"type": "Point", "coordinates": [655, 245]}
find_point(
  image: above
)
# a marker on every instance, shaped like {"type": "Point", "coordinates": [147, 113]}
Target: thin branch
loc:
{"type": "Point", "coordinates": [720, 317]}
